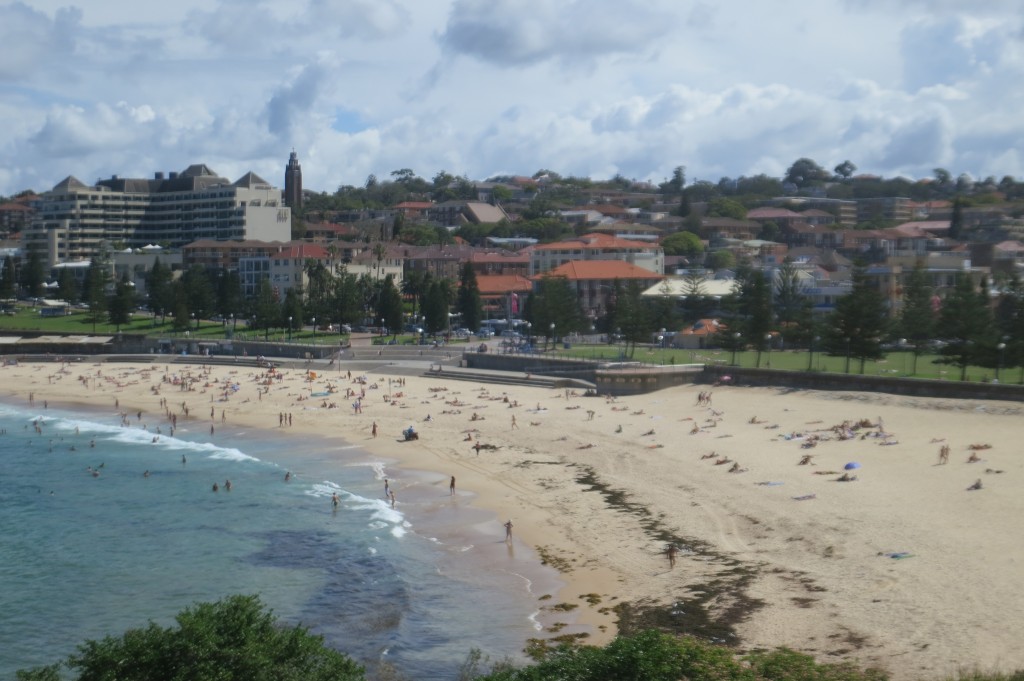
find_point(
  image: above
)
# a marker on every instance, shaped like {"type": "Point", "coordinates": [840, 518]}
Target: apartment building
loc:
{"type": "Point", "coordinates": [547, 257]}
{"type": "Point", "coordinates": [73, 219]}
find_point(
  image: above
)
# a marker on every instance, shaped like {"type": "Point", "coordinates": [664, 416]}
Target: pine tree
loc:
{"type": "Point", "coordinates": [7, 281]}
{"type": "Point", "coordinates": [120, 305]}
{"type": "Point", "coordinates": [469, 304]}
{"type": "Point", "coordinates": [159, 291]}
{"type": "Point", "coordinates": [859, 322]}
{"type": "Point", "coordinates": [956, 224]}
{"type": "Point", "coordinates": [391, 305]}
{"type": "Point", "coordinates": [917, 320]}
{"type": "Point", "coordinates": [967, 322]}
{"type": "Point", "coordinates": [33, 275]}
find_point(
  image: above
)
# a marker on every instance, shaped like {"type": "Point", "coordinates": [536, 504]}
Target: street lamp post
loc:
{"type": "Point", "coordinates": [768, 342]}
{"type": "Point", "coordinates": [196, 321]}
{"type": "Point", "coordinates": [847, 354]}
{"type": "Point", "coordinates": [552, 329]}
{"type": "Point", "coordinates": [1002, 348]}
{"type": "Point", "coordinates": [289, 329]}
{"type": "Point", "coordinates": [314, 330]}
{"type": "Point", "coordinates": [735, 345]}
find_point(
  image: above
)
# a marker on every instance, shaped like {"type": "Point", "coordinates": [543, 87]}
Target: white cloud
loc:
{"type": "Point", "coordinates": [583, 87]}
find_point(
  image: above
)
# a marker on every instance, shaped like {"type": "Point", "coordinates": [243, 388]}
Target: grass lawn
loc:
{"type": "Point", "coordinates": [80, 323]}
{"type": "Point", "coordinates": [897, 363]}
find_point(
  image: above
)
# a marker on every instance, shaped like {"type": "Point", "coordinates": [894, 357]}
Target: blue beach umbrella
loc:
{"type": "Point", "coordinates": [853, 465]}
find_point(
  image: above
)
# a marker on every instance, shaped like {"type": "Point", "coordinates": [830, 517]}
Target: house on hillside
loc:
{"type": "Point", "coordinates": [597, 247]}
{"type": "Point", "coordinates": [594, 281]}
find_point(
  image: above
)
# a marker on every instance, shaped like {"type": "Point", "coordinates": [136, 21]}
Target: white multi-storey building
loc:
{"type": "Point", "coordinates": [73, 219]}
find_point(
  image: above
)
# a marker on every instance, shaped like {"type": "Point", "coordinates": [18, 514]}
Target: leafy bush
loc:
{"type": "Point", "coordinates": [235, 638]}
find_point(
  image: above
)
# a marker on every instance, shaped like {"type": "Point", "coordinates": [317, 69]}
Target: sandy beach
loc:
{"type": "Point", "coordinates": [902, 567]}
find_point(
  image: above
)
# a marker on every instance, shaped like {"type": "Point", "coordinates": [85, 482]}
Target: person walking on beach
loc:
{"type": "Point", "coordinates": [671, 552]}
{"type": "Point", "coordinates": [514, 424]}
{"type": "Point", "coordinates": [508, 531]}
{"type": "Point", "coordinates": [451, 486]}
{"type": "Point", "coordinates": [374, 429]}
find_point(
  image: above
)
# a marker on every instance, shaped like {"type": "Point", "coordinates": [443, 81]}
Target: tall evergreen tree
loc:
{"type": "Point", "coordinates": [230, 301]}
{"type": "Point", "coordinates": [696, 304]}
{"type": "Point", "coordinates": [292, 311]}
{"type": "Point", "coordinates": [794, 309]}
{"type": "Point", "coordinates": [859, 322]}
{"type": "Point", "coordinates": [956, 223]}
{"type": "Point", "coordinates": [67, 285]}
{"type": "Point", "coordinates": [917, 319]}
{"type": "Point", "coordinates": [415, 284]}
{"type": "Point", "coordinates": [199, 289]}
{"type": "Point", "coordinates": [180, 308]}
{"type": "Point", "coordinates": [750, 309]}
{"type": "Point", "coordinates": [33, 273]}
{"type": "Point", "coordinates": [435, 306]}
{"type": "Point", "coordinates": [266, 311]}
{"type": "Point", "coordinates": [967, 323]}
{"type": "Point", "coordinates": [1010, 323]}
{"type": "Point", "coordinates": [345, 300]}
{"type": "Point", "coordinates": [121, 303]}
{"type": "Point", "coordinates": [95, 290]}
{"type": "Point", "coordinates": [635, 318]}
{"type": "Point", "coordinates": [554, 302]}
{"type": "Point", "coordinates": [7, 280]}
{"type": "Point", "coordinates": [159, 292]}
{"type": "Point", "coordinates": [469, 304]}
{"type": "Point", "coordinates": [391, 308]}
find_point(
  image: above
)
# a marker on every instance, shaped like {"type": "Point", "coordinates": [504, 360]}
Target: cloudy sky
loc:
{"type": "Point", "coordinates": [92, 88]}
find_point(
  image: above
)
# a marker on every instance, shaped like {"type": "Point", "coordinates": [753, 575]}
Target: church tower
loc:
{"type": "Point", "coordinates": [293, 183]}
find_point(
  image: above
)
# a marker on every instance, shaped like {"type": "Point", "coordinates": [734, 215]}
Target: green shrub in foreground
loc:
{"type": "Point", "coordinates": [235, 638]}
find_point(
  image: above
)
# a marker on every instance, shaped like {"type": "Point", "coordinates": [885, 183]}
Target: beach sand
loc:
{"type": "Point", "coordinates": [903, 568]}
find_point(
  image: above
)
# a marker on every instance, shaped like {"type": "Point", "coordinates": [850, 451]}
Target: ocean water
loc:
{"type": "Point", "coordinates": [83, 556]}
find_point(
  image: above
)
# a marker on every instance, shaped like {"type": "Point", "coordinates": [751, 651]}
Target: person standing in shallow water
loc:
{"type": "Point", "coordinates": [451, 487]}
{"type": "Point", "coordinates": [508, 531]}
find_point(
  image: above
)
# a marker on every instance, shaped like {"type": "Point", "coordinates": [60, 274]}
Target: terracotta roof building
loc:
{"type": "Point", "coordinates": [594, 281]}
{"type": "Point", "coordinates": [597, 247]}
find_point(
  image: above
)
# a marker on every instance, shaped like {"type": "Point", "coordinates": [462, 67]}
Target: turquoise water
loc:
{"type": "Point", "coordinates": [83, 555]}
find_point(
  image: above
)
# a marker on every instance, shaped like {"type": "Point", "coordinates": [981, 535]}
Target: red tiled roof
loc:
{"type": "Point", "coordinates": [926, 225]}
{"type": "Point", "coordinates": [1012, 245]}
{"type": "Point", "coordinates": [704, 327]}
{"type": "Point", "coordinates": [495, 284]}
{"type": "Point", "coordinates": [415, 205]}
{"type": "Point", "coordinates": [596, 240]}
{"type": "Point", "coordinates": [601, 269]}
{"type": "Point", "coordinates": [17, 207]}
{"type": "Point", "coordinates": [501, 257]}
{"type": "Point", "coordinates": [305, 251]}
{"type": "Point", "coordinates": [769, 213]}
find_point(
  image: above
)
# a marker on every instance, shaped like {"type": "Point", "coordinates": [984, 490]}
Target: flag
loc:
{"type": "Point", "coordinates": [515, 304]}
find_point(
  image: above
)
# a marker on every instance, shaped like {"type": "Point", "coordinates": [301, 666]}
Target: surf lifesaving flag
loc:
{"type": "Point", "coordinates": [514, 304]}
